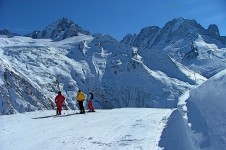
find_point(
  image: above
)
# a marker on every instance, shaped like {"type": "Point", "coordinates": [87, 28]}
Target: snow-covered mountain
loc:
{"type": "Point", "coordinates": [153, 75]}
{"type": "Point", "coordinates": [97, 63]}
{"type": "Point", "coordinates": [18, 94]}
{"type": "Point", "coordinates": [59, 30]}
{"type": "Point", "coordinates": [185, 41]}
{"type": "Point", "coordinates": [173, 31]}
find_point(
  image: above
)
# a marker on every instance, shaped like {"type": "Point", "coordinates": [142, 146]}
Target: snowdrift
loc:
{"type": "Point", "coordinates": [204, 114]}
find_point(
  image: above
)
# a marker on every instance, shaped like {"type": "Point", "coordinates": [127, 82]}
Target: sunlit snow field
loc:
{"type": "Point", "coordinates": [127, 128]}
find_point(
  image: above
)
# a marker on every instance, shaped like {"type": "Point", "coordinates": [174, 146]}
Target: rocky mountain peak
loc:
{"type": "Point", "coordinates": [128, 39]}
{"type": "Point", "coordinates": [183, 26]}
{"type": "Point", "coordinates": [7, 33]}
{"type": "Point", "coordinates": [59, 30]}
{"type": "Point", "coordinates": [145, 36]}
{"type": "Point", "coordinates": [149, 29]}
{"type": "Point", "coordinates": [213, 30]}
{"type": "Point", "coordinates": [62, 24]}
{"type": "Point", "coordinates": [65, 20]}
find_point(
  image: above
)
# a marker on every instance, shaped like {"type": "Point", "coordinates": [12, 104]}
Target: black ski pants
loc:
{"type": "Point", "coordinates": [81, 106]}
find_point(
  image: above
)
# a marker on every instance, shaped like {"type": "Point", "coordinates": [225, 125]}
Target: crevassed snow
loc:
{"type": "Point", "coordinates": [121, 129]}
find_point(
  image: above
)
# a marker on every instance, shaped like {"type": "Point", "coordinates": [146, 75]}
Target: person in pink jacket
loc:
{"type": "Point", "coordinates": [90, 104]}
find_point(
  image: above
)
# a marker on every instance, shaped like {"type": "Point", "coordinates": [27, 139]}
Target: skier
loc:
{"type": "Point", "coordinates": [80, 99]}
{"type": "Point", "coordinates": [90, 104]}
{"type": "Point", "coordinates": [59, 100]}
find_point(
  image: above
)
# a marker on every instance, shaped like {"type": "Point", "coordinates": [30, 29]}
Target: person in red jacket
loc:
{"type": "Point", "coordinates": [59, 100]}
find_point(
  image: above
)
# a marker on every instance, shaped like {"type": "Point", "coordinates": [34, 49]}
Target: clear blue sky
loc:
{"type": "Point", "coordinates": [114, 17]}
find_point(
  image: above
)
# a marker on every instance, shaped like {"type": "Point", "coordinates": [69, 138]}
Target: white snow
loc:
{"type": "Point", "coordinates": [1, 73]}
{"type": "Point", "coordinates": [116, 129]}
{"type": "Point", "coordinates": [203, 110]}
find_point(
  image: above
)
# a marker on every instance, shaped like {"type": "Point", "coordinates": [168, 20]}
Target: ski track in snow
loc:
{"type": "Point", "coordinates": [116, 129]}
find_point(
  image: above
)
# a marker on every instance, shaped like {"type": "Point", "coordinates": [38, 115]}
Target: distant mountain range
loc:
{"type": "Point", "coordinates": [180, 39]}
{"type": "Point", "coordinates": [8, 33]}
{"type": "Point", "coordinates": [150, 69]}
{"type": "Point", "coordinates": [173, 31]}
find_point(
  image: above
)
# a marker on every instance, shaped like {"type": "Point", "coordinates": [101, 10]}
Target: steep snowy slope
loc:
{"type": "Point", "coordinates": [203, 109]}
{"type": "Point", "coordinates": [1, 73]}
{"type": "Point", "coordinates": [159, 60]}
{"type": "Point", "coordinates": [19, 94]}
{"type": "Point", "coordinates": [135, 85]}
{"type": "Point", "coordinates": [199, 55]}
{"type": "Point", "coordinates": [43, 64]}
{"type": "Point", "coordinates": [210, 58]}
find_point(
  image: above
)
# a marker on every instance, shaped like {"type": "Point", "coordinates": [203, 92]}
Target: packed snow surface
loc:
{"type": "Point", "coordinates": [127, 128]}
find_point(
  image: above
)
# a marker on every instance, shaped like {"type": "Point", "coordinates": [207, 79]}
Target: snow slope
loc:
{"type": "Point", "coordinates": [210, 59]}
{"type": "Point", "coordinates": [203, 110]}
{"type": "Point", "coordinates": [127, 128]}
{"type": "Point", "coordinates": [1, 72]}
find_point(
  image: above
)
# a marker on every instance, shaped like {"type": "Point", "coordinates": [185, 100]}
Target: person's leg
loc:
{"type": "Point", "coordinates": [80, 106]}
{"type": "Point", "coordinates": [60, 108]}
{"type": "Point", "coordinates": [91, 105]}
{"type": "Point", "coordinates": [83, 109]}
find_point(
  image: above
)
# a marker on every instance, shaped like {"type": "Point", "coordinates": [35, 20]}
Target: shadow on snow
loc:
{"type": "Point", "coordinates": [56, 116]}
{"type": "Point", "coordinates": [174, 136]}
